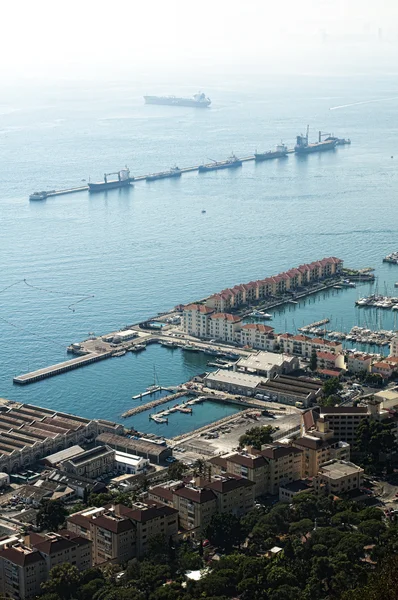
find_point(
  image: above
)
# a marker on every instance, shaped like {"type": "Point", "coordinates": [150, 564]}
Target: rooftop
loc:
{"type": "Point", "coordinates": [264, 361]}
{"type": "Point", "coordinates": [71, 452]}
{"type": "Point", "coordinates": [235, 378]}
{"type": "Point", "coordinates": [125, 444]}
{"type": "Point", "coordinates": [89, 455]}
{"type": "Point", "coordinates": [335, 469]}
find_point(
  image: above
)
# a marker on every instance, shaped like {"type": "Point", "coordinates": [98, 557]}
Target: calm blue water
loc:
{"type": "Point", "coordinates": [143, 250]}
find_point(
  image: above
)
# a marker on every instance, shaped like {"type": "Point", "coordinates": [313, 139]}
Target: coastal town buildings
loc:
{"type": "Point", "coordinates": [28, 433]}
{"type": "Point", "coordinates": [199, 499]}
{"type": "Point", "coordinates": [92, 463]}
{"type": "Point", "coordinates": [26, 564]}
{"type": "Point", "coordinates": [359, 362]}
{"type": "Point", "coordinates": [337, 477]}
{"type": "Point", "coordinates": [302, 345]}
{"type": "Point", "coordinates": [119, 533]}
{"type": "Point", "coordinates": [268, 364]}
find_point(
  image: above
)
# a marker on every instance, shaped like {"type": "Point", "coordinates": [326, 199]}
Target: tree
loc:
{"type": "Point", "coordinates": [51, 514]}
{"type": "Point", "coordinates": [176, 470]}
{"type": "Point", "coordinates": [374, 437]}
{"type": "Point", "coordinates": [225, 531]}
{"type": "Point", "coordinates": [64, 580]}
{"type": "Point", "coordinates": [257, 437]}
{"type": "Point", "coordinates": [200, 467]}
{"type": "Point", "coordinates": [331, 386]}
{"type": "Point", "coordinates": [313, 360]}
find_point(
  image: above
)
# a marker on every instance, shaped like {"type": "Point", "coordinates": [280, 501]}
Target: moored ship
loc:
{"type": "Point", "coordinates": [339, 141]}
{"type": "Point", "coordinates": [174, 172]}
{"type": "Point", "coordinates": [303, 147]}
{"type": "Point", "coordinates": [280, 151]}
{"type": "Point", "coordinates": [199, 100]}
{"type": "Point", "coordinates": [39, 195]}
{"type": "Point", "coordinates": [123, 180]}
{"type": "Point", "coordinates": [232, 162]}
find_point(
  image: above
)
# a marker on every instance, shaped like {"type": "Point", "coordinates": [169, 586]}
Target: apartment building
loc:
{"type": "Point", "coordinates": [258, 336]}
{"type": "Point", "coordinates": [344, 420]}
{"type": "Point", "coordinates": [25, 565]}
{"type": "Point", "coordinates": [330, 361]}
{"type": "Point", "coordinates": [337, 477]}
{"type": "Point", "coordinates": [195, 319]}
{"type": "Point", "coordinates": [223, 326]}
{"type": "Point", "coordinates": [384, 368]}
{"type": "Point", "coordinates": [119, 533]}
{"type": "Point", "coordinates": [274, 465]}
{"type": "Point", "coordinates": [92, 463]}
{"type": "Point", "coordinates": [359, 362]}
{"type": "Point", "coordinates": [198, 500]}
{"type": "Point", "coordinates": [303, 345]}
{"type": "Point", "coordinates": [317, 451]}
{"type": "Point", "coordinates": [394, 346]}
{"type": "Point", "coordinates": [293, 279]}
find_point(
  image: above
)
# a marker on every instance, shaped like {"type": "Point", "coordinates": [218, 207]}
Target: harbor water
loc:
{"type": "Point", "coordinates": [96, 263]}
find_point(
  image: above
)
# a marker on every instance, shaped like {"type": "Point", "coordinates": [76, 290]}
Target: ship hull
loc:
{"type": "Point", "coordinates": [216, 167]}
{"type": "Point", "coordinates": [268, 155]}
{"type": "Point", "coordinates": [109, 185]}
{"type": "Point", "coordinates": [156, 176]}
{"type": "Point", "coordinates": [319, 147]}
{"type": "Point", "coordinates": [176, 101]}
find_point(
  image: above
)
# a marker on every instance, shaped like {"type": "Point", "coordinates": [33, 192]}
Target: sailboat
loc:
{"type": "Point", "coordinates": [155, 387]}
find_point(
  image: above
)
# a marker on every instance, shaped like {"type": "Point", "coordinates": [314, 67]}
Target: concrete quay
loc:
{"type": "Point", "coordinates": [59, 368]}
{"type": "Point", "coordinates": [143, 407]}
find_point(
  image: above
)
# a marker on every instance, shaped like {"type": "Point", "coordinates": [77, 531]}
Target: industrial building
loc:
{"type": "Point", "coordinates": [156, 453]}
{"type": "Point", "coordinates": [268, 364]}
{"type": "Point", "coordinates": [290, 390]}
{"type": "Point", "coordinates": [233, 381]}
{"type": "Point", "coordinates": [91, 464]}
{"type": "Point", "coordinates": [29, 433]}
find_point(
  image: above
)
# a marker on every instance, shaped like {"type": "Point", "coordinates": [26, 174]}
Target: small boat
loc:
{"type": "Point", "coordinates": [171, 345]}
{"type": "Point", "coordinates": [337, 287]}
{"type": "Point", "coordinates": [38, 196]}
{"type": "Point", "coordinates": [203, 212]}
{"type": "Point", "coordinates": [158, 419]}
{"type": "Point", "coordinates": [120, 353]}
{"type": "Point", "coordinates": [396, 284]}
{"type": "Point", "coordinates": [190, 348]}
{"type": "Point", "coordinates": [153, 388]}
{"type": "Point", "coordinates": [138, 348]}
{"type": "Point", "coordinates": [259, 314]}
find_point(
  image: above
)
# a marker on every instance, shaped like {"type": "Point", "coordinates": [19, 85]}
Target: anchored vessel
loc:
{"type": "Point", "coordinates": [339, 141]}
{"type": "Point", "coordinates": [280, 151]}
{"type": "Point", "coordinates": [123, 180]}
{"type": "Point", "coordinates": [174, 172]}
{"type": "Point", "coordinates": [391, 258]}
{"type": "Point", "coordinates": [230, 163]}
{"type": "Point", "coordinates": [303, 147]}
{"type": "Point", "coordinates": [199, 100]}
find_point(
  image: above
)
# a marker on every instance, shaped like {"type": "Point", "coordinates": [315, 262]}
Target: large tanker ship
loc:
{"type": "Point", "coordinates": [303, 147]}
{"type": "Point", "coordinates": [199, 100]}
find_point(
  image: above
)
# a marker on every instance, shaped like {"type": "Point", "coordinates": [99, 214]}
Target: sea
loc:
{"type": "Point", "coordinates": [79, 264]}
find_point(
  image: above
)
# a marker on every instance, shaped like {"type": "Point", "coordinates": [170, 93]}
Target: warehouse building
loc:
{"type": "Point", "coordinates": [156, 453]}
{"type": "Point", "coordinates": [268, 364]}
{"type": "Point", "coordinates": [29, 433]}
{"type": "Point", "coordinates": [290, 390]}
{"type": "Point", "coordinates": [233, 382]}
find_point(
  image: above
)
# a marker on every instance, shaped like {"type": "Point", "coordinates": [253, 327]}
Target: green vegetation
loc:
{"type": "Point", "coordinates": [313, 361]}
{"type": "Point", "coordinates": [331, 387]}
{"type": "Point", "coordinates": [257, 437]}
{"type": "Point", "coordinates": [374, 438]}
{"type": "Point", "coordinates": [51, 514]}
{"type": "Point", "coordinates": [331, 549]}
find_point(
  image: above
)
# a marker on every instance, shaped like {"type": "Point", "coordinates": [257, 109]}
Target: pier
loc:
{"type": "Point", "coordinates": [68, 365]}
{"type": "Point", "coordinates": [84, 188]}
{"type": "Point", "coordinates": [143, 407]}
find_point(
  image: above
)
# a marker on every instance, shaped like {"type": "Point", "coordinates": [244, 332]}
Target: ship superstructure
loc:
{"type": "Point", "coordinates": [123, 180]}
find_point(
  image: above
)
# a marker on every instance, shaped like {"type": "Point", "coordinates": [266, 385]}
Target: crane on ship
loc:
{"type": "Point", "coordinates": [323, 135]}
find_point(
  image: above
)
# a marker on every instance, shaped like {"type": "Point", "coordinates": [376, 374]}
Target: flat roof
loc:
{"type": "Point", "coordinates": [135, 445]}
{"type": "Point", "coordinates": [263, 361]}
{"type": "Point", "coordinates": [387, 395]}
{"type": "Point", "coordinates": [339, 468]}
{"type": "Point", "coordinates": [235, 378]}
{"type": "Point", "coordinates": [128, 459]}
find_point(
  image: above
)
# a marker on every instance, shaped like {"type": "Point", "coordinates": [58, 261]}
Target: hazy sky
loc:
{"type": "Point", "coordinates": [88, 36]}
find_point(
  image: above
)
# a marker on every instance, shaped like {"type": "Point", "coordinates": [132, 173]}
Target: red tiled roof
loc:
{"type": "Point", "coordinates": [199, 307]}
{"type": "Point", "coordinates": [278, 451]}
{"type": "Point", "coordinates": [198, 495]}
{"type": "Point", "coordinates": [382, 365]}
{"type": "Point", "coordinates": [229, 483]}
{"type": "Point", "coordinates": [329, 372]}
{"type": "Point", "coordinates": [226, 317]}
{"type": "Point", "coordinates": [20, 558]}
{"type": "Point", "coordinates": [258, 327]}
{"type": "Point", "coordinates": [326, 356]}
{"type": "Point", "coordinates": [252, 462]}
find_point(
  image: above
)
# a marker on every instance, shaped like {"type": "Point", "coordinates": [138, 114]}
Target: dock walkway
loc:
{"type": "Point", "coordinates": [68, 365]}
{"type": "Point", "coordinates": [143, 407]}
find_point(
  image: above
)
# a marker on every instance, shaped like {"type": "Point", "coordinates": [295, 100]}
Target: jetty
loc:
{"type": "Point", "coordinates": [159, 175]}
{"type": "Point", "coordinates": [307, 328]}
{"type": "Point", "coordinates": [58, 368]}
{"type": "Point", "coordinates": [143, 407]}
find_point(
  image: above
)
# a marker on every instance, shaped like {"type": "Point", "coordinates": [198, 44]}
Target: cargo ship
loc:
{"type": "Point", "coordinates": [230, 163]}
{"type": "Point", "coordinates": [123, 180]}
{"type": "Point", "coordinates": [40, 195]}
{"type": "Point", "coordinates": [174, 172]}
{"type": "Point", "coordinates": [303, 147]}
{"type": "Point", "coordinates": [280, 151]}
{"type": "Point", "coordinates": [199, 100]}
{"type": "Point", "coordinates": [339, 141]}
